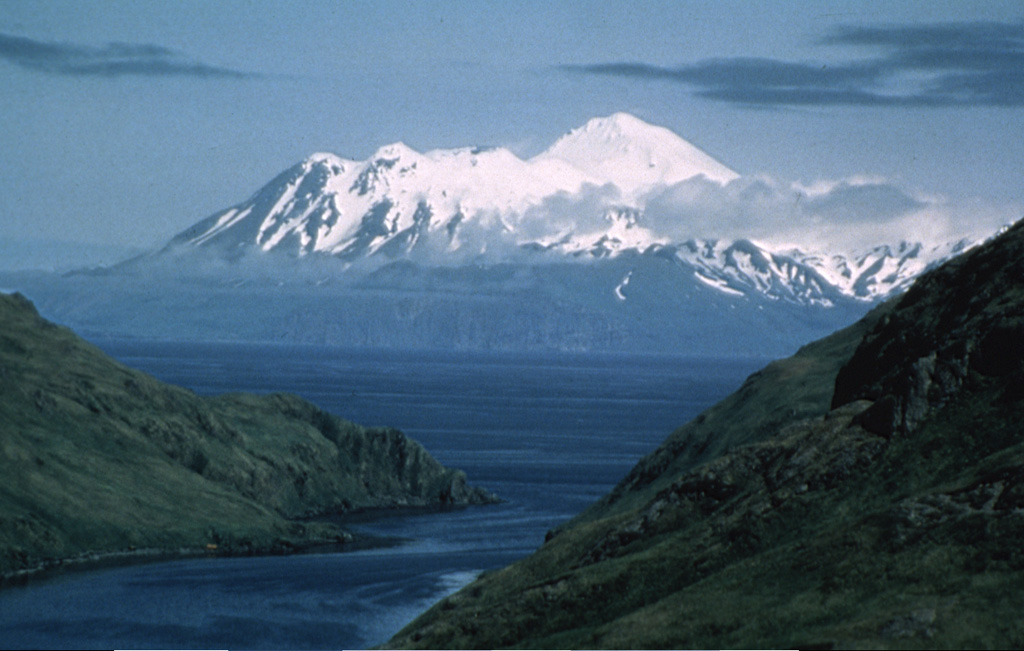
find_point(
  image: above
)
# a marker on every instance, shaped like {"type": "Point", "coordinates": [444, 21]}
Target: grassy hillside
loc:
{"type": "Point", "coordinates": [865, 493]}
{"type": "Point", "coordinates": [783, 392]}
{"type": "Point", "coordinates": [98, 457]}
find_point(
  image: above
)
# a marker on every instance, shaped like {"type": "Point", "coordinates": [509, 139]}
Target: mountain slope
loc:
{"type": "Point", "coordinates": [97, 457]}
{"type": "Point", "coordinates": [630, 303]}
{"type": "Point", "coordinates": [885, 512]}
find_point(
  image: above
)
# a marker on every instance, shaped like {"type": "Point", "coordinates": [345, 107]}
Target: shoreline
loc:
{"type": "Point", "coordinates": [346, 541]}
{"type": "Point", "coordinates": [98, 560]}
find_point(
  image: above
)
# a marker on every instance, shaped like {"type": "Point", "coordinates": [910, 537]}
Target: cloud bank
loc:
{"type": "Point", "coordinates": [110, 60]}
{"type": "Point", "coordinates": [955, 64]}
{"type": "Point", "coordinates": [841, 216]}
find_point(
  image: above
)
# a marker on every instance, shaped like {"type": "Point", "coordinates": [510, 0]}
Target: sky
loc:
{"type": "Point", "coordinates": [125, 122]}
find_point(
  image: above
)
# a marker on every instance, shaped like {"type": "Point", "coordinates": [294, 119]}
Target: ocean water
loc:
{"type": "Point", "coordinates": [549, 434]}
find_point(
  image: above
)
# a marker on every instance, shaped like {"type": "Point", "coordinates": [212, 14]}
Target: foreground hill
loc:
{"type": "Point", "coordinates": [867, 492]}
{"type": "Point", "coordinates": [97, 457]}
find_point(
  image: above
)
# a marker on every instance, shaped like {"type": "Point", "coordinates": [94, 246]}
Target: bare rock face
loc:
{"type": "Point", "coordinates": [958, 324]}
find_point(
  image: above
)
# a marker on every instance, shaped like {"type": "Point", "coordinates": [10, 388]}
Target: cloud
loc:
{"type": "Point", "coordinates": [952, 64]}
{"type": "Point", "coordinates": [110, 60]}
{"type": "Point", "coordinates": [561, 213]}
{"type": "Point", "coordinates": [847, 215]}
{"type": "Point", "coordinates": [945, 36]}
{"type": "Point", "coordinates": [865, 203]}
{"type": "Point", "coordinates": [856, 213]}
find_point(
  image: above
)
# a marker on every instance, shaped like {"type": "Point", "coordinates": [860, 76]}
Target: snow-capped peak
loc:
{"type": "Point", "coordinates": [329, 159]}
{"type": "Point", "coordinates": [626, 151]}
{"type": "Point", "coordinates": [450, 205]}
{"type": "Point", "coordinates": [395, 151]}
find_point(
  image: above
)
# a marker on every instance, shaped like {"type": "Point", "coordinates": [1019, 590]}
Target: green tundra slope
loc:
{"type": "Point", "coordinates": [97, 457]}
{"type": "Point", "coordinates": [868, 492]}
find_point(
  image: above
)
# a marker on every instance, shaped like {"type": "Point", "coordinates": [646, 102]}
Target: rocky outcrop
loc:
{"type": "Point", "coordinates": [961, 321]}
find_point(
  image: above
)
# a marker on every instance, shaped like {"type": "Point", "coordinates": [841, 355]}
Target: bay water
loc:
{"type": "Point", "coordinates": [548, 433]}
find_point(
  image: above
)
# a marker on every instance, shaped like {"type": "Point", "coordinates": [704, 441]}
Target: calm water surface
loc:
{"type": "Point", "coordinates": [548, 433]}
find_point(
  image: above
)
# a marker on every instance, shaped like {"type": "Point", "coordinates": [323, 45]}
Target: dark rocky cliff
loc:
{"type": "Point", "coordinates": [957, 327]}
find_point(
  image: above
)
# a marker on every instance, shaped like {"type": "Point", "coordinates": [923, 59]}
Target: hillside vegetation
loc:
{"type": "Point", "coordinates": [97, 457]}
{"type": "Point", "coordinates": [867, 492]}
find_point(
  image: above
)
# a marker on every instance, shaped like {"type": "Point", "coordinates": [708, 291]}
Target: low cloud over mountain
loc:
{"type": "Point", "coordinates": [847, 214]}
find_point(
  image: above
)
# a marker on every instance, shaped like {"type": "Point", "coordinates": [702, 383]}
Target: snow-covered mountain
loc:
{"type": "Point", "coordinates": [630, 154]}
{"type": "Point", "coordinates": [390, 202]}
{"type": "Point", "coordinates": [581, 199]}
{"type": "Point", "coordinates": [739, 266]}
